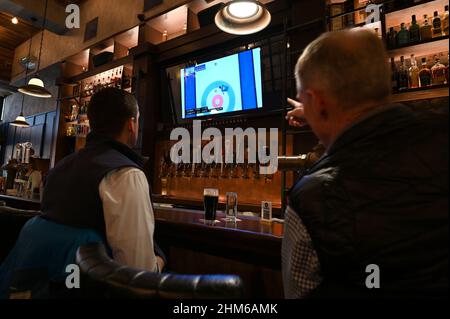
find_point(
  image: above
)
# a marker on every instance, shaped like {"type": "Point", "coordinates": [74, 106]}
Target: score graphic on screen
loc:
{"type": "Point", "coordinates": [229, 84]}
{"type": "Point", "coordinates": [219, 97]}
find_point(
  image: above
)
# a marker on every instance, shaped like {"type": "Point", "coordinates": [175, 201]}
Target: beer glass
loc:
{"type": "Point", "coordinates": [231, 207]}
{"type": "Point", "coordinates": [210, 200]}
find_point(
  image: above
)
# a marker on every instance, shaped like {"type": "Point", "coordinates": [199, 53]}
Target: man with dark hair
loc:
{"type": "Point", "coordinates": [103, 186]}
{"type": "Point", "coordinates": [370, 218]}
{"type": "Point", "coordinates": [98, 194]}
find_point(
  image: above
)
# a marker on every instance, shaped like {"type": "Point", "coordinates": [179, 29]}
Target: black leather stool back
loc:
{"type": "Point", "coordinates": [11, 222]}
{"type": "Point", "coordinates": [122, 281]}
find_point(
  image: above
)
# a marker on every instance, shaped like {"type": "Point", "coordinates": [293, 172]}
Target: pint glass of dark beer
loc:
{"type": "Point", "coordinates": [210, 200]}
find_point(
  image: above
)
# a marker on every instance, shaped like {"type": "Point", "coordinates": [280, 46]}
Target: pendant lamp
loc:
{"type": "Point", "coordinates": [20, 121]}
{"type": "Point", "coordinates": [35, 86]}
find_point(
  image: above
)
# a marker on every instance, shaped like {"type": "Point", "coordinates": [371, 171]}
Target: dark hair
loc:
{"type": "Point", "coordinates": [109, 110]}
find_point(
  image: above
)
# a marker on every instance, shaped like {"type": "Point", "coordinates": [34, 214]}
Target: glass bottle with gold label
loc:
{"type": "Point", "coordinates": [424, 74]}
{"type": "Point", "coordinates": [426, 32]}
{"type": "Point", "coordinates": [437, 72]}
{"type": "Point", "coordinates": [445, 21]}
{"type": "Point", "coordinates": [437, 25]}
{"type": "Point", "coordinates": [413, 73]}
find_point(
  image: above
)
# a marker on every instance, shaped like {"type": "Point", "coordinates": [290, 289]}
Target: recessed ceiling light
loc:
{"type": "Point", "coordinates": [15, 20]}
{"type": "Point", "coordinates": [242, 17]}
{"type": "Point", "coordinates": [243, 9]}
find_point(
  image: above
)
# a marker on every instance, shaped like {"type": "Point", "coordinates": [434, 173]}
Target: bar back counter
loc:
{"type": "Point", "coordinates": [249, 248]}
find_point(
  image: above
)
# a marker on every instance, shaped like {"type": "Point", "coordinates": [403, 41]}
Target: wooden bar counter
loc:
{"type": "Point", "coordinates": [248, 248]}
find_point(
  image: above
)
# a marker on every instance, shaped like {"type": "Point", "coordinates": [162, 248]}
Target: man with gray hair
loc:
{"type": "Point", "coordinates": [370, 218]}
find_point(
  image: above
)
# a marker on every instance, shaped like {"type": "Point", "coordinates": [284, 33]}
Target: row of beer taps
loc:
{"type": "Point", "coordinates": [245, 171]}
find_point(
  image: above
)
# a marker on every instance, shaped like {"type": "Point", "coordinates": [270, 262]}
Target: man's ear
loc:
{"type": "Point", "coordinates": [130, 124]}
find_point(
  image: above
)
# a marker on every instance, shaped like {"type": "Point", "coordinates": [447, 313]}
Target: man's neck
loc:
{"type": "Point", "coordinates": [350, 119]}
{"type": "Point", "coordinates": [123, 139]}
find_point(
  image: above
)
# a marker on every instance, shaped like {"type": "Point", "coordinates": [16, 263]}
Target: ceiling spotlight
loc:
{"type": "Point", "coordinates": [243, 17]}
{"type": "Point", "coordinates": [15, 20]}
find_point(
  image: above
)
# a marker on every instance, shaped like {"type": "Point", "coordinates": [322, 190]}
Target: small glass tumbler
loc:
{"type": "Point", "coordinates": [231, 207]}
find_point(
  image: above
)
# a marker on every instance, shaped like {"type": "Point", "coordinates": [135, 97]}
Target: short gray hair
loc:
{"type": "Point", "coordinates": [349, 65]}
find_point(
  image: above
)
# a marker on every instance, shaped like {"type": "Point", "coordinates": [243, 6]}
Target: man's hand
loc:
{"type": "Point", "coordinates": [296, 117]}
{"type": "Point", "coordinates": [160, 263]}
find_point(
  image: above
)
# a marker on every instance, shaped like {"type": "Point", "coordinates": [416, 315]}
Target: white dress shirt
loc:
{"type": "Point", "coordinates": [129, 218]}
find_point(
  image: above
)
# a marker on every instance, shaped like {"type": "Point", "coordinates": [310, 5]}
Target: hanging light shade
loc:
{"type": "Point", "coordinates": [242, 17]}
{"type": "Point", "coordinates": [35, 87]}
{"type": "Point", "coordinates": [20, 121]}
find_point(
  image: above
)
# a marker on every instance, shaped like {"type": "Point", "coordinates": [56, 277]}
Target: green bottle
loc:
{"type": "Point", "coordinates": [392, 38]}
{"type": "Point", "coordinates": [414, 30]}
{"type": "Point", "coordinates": [402, 36]}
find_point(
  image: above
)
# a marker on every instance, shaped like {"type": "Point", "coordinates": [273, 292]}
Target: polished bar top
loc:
{"type": "Point", "coordinates": [249, 240]}
{"type": "Point", "coordinates": [247, 224]}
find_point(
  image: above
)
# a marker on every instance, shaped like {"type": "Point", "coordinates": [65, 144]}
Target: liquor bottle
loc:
{"type": "Point", "coordinates": [349, 18]}
{"type": "Point", "coordinates": [125, 81]}
{"type": "Point", "coordinates": [392, 38]}
{"type": "Point", "coordinates": [437, 25]}
{"type": "Point", "coordinates": [394, 76]}
{"type": "Point", "coordinates": [120, 80]}
{"type": "Point", "coordinates": [446, 69]}
{"type": "Point", "coordinates": [413, 73]}
{"type": "Point", "coordinates": [402, 36]}
{"type": "Point", "coordinates": [445, 21]}
{"type": "Point", "coordinates": [414, 30]}
{"type": "Point", "coordinates": [426, 32]}
{"type": "Point", "coordinates": [402, 82]}
{"type": "Point", "coordinates": [424, 74]}
{"type": "Point", "coordinates": [437, 72]}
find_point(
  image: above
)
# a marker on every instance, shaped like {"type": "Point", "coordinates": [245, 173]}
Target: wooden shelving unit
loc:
{"type": "Point", "coordinates": [432, 46]}
{"type": "Point", "coordinates": [421, 94]}
{"type": "Point", "coordinates": [393, 16]}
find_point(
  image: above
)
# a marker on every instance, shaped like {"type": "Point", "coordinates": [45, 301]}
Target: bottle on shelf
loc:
{"type": "Point", "coordinates": [425, 74]}
{"type": "Point", "coordinates": [437, 72]}
{"type": "Point", "coordinates": [413, 73]}
{"type": "Point", "coordinates": [437, 25]}
{"type": "Point", "coordinates": [74, 113]}
{"type": "Point", "coordinates": [414, 30]}
{"type": "Point", "coordinates": [446, 69]}
{"type": "Point", "coordinates": [426, 32]}
{"type": "Point", "coordinates": [392, 38]}
{"type": "Point", "coordinates": [402, 82]}
{"type": "Point", "coordinates": [91, 88]}
{"type": "Point", "coordinates": [394, 76]}
{"type": "Point", "coordinates": [402, 36]}
{"type": "Point", "coordinates": [349, 18]}
{"type": "Point", "coordinates": [445, 21]}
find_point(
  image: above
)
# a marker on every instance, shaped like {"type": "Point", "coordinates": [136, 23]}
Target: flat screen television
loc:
{"type": "Point", "coordinates": [225, 85]}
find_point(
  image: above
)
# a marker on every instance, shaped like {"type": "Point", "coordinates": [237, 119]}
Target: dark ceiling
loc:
{"type": "Point", "coordinates": [67, 2]}
{"type": "Point", "coordinates": [11, 35]}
